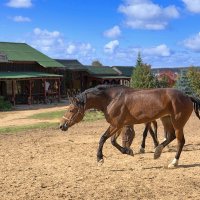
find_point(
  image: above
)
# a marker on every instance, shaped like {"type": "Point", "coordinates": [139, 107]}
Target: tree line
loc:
{"type": "Point", "coordinates": [142, 77]}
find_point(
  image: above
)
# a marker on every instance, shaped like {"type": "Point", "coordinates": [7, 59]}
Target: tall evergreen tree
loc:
{"type": "Point", "coordinates": [142, 76]}
{"type": "Point", "coordinates": [139, 61]}
{"type": "Point", "coordinates": [194, 79]}
{"type": "Point", "coordinates": [183, 83]}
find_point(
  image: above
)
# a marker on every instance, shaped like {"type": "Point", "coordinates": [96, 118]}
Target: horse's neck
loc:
{"type": "Point", "coordinates": [98, 103]}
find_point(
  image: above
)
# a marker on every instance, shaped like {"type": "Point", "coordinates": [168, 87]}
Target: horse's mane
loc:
{"type": "Point", "coordinates": [100, 88]}
{"type": "Point", "coordinates": [95, 90]}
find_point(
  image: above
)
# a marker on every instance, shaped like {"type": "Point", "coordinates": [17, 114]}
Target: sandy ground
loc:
{"type": "Point", "coordinates": [48, 164]}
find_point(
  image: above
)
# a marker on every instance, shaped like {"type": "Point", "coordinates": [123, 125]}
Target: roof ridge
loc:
{"type": "Point", "coordinates": [14, 42]}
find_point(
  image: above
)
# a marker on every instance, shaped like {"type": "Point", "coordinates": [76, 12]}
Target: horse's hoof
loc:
{"type": "Point", "coordinates": [129, 151]}
{"type": "Point", "coordinates": [142, 150]}
{"type": "Point", "coordinates": [100, 162]}
{"type": "Point", "coordinates": [158, 151]}
{"type": "Point", "coordinates": [172, 166]}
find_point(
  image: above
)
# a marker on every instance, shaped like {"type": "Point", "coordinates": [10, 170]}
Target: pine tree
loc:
{"type": "Point", "coordinates": [142, 76]}
{"type": "Point", "coordinates": [139, 61]}
{"type": "Point", "coordinates": [194, 79]}
{"type": "Point", "coordinates": [183, 83]}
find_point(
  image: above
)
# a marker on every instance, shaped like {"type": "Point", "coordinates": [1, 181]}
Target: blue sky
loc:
{"type": "Point", "coordinates": [167, 33]}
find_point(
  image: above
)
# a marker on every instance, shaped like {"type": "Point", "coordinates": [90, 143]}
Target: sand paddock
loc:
{"type": "Point", "coordinates": [48, 164]}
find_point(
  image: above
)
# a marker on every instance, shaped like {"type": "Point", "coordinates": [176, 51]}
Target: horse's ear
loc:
{"type": "Point", "coordinates": [73, 100]}
{"type": "Point", "coordinates": [70, 98]}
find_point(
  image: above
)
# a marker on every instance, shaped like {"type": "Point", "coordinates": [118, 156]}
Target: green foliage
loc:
{"type": "Point", "coordinates": [142, 76]}
{"type": "Point", "coordinates": [139, 61]}
{"type": "Point", "coordinates": [5, 105]}
{"type": "Point", "coordinates": [194, 79]}
{"type": "Point", "coordinates": [164, 82]}
{"type": "Point", "coordinates": [97, 63]}
{"type": "Point", "coordinates": [183, 83]}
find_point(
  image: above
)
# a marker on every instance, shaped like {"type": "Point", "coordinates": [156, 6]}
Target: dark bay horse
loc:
{"type": "Point", "coordinates": [124, 106]}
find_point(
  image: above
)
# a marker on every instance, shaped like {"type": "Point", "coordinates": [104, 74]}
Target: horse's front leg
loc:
{"type": "Point", "coordinates": [109, 132]}
{"type": "Point", "coordinates": [142, 148]}
{"type": "Point", "coordinates": [128, 135]}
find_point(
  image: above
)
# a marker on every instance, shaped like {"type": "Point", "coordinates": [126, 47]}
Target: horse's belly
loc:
{"type": "Point", "coordinates": [147, 116]}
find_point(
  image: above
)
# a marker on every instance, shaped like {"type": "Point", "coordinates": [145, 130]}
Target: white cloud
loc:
{"type": "Point", "coordinates": [113, 32]}
{"type": "Point", "coordinates": [71, 49]}
{"type": "Point", "coordinates": [193, 42]}
{"type": "Point", "coordinates": [19, 3]}
{"type": "Point", "coordinates": [192, 5]}
{"type": "Point", "coordinates": [54, 45]}
{"type": "Point", "coordinates": [111, 46]}
{"type": "Point", "coordinates": [160, 50]}
{"type": "Point", "coordinates": [21, 19]}
{"type": "Point", "coordinates": [144, 14]}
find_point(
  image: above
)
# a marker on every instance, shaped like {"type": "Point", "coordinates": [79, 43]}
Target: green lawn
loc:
{"type": "Point", "coordinates": [89, 116]}
{"type": "Point", "coordinates": [48, 115]}
{"type": "Point", "coordinates": [15, 129]}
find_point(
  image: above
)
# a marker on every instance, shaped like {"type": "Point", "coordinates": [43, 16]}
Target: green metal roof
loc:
{"type": "Point", "coordinates": [124, 70]}
{"type": "Point", "coordinates": [72, 64]}
{"type": "Point", "coordinates": [111, 77]}
{"type": "Point", "coordinates": [101, 70]}
{"type": "Point", "coordinates": [23, 52]}
{"type": "Point", "coordinates": [25, 75]}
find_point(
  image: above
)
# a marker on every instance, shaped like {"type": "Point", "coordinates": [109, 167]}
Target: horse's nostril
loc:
{"type": "Point", "coordinates": [61, 126]}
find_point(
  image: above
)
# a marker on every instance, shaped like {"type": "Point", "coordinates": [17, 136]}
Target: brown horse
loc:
{"type": "Point", "coordinates": [124, 106]}
{"type": "Point", "coordinates": [128, 135]}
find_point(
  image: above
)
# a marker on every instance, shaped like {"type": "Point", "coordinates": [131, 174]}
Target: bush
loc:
{"type": "Point", "coordinates": [4, 105]}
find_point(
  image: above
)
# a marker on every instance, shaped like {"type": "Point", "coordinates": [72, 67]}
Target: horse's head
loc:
{"type": "Point", "coordinates": [73, 115]}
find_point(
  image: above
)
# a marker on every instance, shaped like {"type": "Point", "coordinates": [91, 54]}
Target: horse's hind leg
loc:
{"type": "Point", "coordinates": [152, 133]}
{"type": "Point", "coordinates": [170, 137]}
{"type": "Point", "coordinates": [181, 141]}
{"type": "Point", "coordinates": [128, 135]}
{"type": "Point", "coordinates": [169, 129]}
{"type": "Point", "coordinates": [154, 136]}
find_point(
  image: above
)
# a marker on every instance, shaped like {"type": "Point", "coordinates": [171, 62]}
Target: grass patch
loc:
{"type": "Point", "coordinates": [93, 116]}
{"type": "Point", "coordinates": [15, 129]}
{"type": "Point", "coordinates": [48, 115]}
{"type": "Point", "coordinates": [89, 116]}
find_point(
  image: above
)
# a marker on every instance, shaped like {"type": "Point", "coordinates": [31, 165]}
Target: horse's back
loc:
{"type": "Point", "coordinates": [147, 105]}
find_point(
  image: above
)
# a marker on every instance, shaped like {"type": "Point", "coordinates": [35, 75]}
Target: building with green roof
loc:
{"type": "Point", "coordinates": [104, 75]}
{"type": "Point", "coordinates": [27, 75]}
{"type": "Point", "coordinates": [74, 76]}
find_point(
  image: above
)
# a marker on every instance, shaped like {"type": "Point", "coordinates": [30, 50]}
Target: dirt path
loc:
{"type": "Point", "coordinates": [49, 165]}
{"type": "Point", "coordinates": [17, 118]}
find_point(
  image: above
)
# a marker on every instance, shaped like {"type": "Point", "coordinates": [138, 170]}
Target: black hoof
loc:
{"type": "Point", "coordinates": [129, 151]}
{"type": "Point", "coordinates": [158, 151]}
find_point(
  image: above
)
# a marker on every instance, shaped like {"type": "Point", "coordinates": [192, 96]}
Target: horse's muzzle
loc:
{"type": "Point", "coordinates": [63, 127]}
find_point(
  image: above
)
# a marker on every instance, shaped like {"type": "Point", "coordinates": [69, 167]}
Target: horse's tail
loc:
{"type": "Point", "coordinates": [196, 104]}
